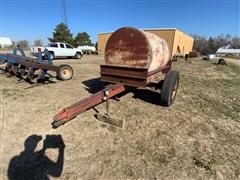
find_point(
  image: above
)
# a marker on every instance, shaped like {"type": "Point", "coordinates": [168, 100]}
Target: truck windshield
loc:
{"type": "Point", "coordinates": [53, 45]}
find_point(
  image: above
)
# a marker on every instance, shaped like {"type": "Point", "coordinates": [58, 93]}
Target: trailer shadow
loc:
{"type": "Point", "coordinates": [146, 95]}
{"type": "Point", "coordinates": [94, 85]}
{"type": "Point", "coordinates": [31, 164]}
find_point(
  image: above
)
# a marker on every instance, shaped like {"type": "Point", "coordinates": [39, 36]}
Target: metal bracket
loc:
{"type": "Point", "coordinates": [106, 98]}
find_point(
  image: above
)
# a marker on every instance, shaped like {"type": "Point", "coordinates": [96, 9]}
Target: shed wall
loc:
{"type": "Point", "coordinates": [183, 43]}
{"type": "Point", "coordinates": [102, 41]}
{"type": "Point", "coordinates": [173, 37]}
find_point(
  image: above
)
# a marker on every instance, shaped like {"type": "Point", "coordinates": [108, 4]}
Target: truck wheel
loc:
{"type": "Point", "coordinates": [169, 88]}
{"type": "Point", "coordinates": [78, 56]}
{"type": "Point", "coordinates": [64, 72]}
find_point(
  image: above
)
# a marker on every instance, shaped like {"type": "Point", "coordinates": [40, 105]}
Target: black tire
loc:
{"type": "Point", "coordinates": [169, 88]}
{"type": "Point", "coordinates": [78, 55]}
{"type": "Point", "coordinates": [64, 72]}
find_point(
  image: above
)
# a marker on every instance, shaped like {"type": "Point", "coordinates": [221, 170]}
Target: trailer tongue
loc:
{"type": "Point", "coordinates": [133, 58]}
{"type": "Point", "coordinates": [74, 110]}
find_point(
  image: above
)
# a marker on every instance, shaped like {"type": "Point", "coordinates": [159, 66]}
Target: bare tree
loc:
{"type": "Point", "coordinates": [38, 42]}
{"type": "Point", "coordinates": [236, 41]}
{"type": "Point", "coordinates": [211, 45]}
{"type": "Point", "coordinates": [23, 44]}
{"type": "Point", "coordinates": [14, 44]}
{"type": "Point", "coordinates": [200, 44]}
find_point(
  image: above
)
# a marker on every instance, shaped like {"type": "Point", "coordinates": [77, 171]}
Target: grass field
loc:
{"type": "Point", "coordinates": [197, 137]}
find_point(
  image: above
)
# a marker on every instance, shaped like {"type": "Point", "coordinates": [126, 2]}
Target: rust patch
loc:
{"type": "Point", "coordinates": [127, 47]}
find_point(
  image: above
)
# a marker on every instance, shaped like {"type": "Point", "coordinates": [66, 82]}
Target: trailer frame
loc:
{"type": "Point", "coordinates": [120, 79]}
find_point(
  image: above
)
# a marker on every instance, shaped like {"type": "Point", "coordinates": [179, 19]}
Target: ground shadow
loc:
{"type": "Point", "coordinates": [31, 164]}
{"type": "Point", "coordinates": [95, 85]}
{"type": "Point", "coordinates": [147, 95]}
{"type": "Point", "coordinates": [216, 63]}
{"type": "Point", "coordinates": [23, 77]}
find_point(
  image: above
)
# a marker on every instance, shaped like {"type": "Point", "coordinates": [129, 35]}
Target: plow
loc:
{"type": "Point", "coordinates": [133, 59]}
{"type": "Point", "coordinates": [19, 65]}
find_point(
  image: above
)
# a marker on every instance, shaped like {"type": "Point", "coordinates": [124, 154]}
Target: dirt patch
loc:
{"type": "Point", "coordinates": [197, 137]}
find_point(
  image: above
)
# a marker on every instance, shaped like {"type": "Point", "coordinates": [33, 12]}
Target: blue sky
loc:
{"type": "Point", "coordinates": [36, 19]}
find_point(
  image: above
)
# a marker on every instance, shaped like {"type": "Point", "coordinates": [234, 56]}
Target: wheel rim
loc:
{"type": "Point", "coordinates": [66, 73]}
{"type": "Point", "coordinates": [174, 91]}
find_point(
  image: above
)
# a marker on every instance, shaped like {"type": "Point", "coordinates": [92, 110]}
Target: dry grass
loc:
{"type": "Point", "coordinates": [197, 137]}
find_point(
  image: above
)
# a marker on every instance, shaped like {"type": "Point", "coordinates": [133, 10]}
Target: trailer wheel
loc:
{"type": "Point", "coordinates": [64, 72]}
{"type": "Point", "coordinates": [169, 88]}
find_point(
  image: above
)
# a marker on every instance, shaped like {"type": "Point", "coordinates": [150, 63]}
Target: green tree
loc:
{"type": "Point", "coordinates": [62, 34]}
{"type": "Point", "coordinates": [82, 39]}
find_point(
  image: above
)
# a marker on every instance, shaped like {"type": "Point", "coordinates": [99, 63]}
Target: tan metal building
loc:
{"type": "Point", "coordinates": [179, 43]}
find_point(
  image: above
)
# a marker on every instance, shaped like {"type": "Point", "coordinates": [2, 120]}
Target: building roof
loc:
{"type": "Point", "coordinates": [228, 51]}
{"type": "Point", "coordinates": [5, 41]}
{"type": "Point", "coordinates": [153, 29]}
{"type": "Point", "coordinates": [146, 29]}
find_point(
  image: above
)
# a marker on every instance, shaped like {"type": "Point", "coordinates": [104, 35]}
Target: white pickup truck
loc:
{"type": "Point", "coordinates": [58, 50]}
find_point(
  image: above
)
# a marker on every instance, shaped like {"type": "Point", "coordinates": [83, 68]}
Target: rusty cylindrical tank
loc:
{"type": "Point", "coordinates": [130, 47]}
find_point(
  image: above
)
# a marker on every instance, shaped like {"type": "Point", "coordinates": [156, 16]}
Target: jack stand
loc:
{"type": "Point", "coordinates": [106, 118]}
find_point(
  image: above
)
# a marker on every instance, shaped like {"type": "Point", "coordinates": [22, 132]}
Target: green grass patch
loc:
{"type": "Point", "coordinates": [200, 162]}
{"type": "Point", "coordinates": [161, 158]}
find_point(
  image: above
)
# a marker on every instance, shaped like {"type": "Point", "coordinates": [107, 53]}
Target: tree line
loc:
{"type": "Point", "coordinates": [210, 45]}
{"type": "Point", "coordinates": [60, 34]}
{"type": "Point", "coordinates": [201, 44]}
